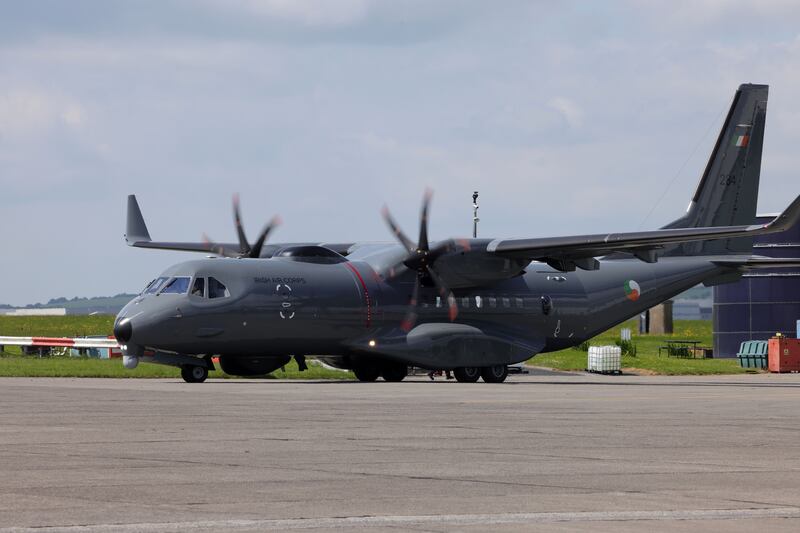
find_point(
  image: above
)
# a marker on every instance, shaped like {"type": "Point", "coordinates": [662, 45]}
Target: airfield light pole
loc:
{"type": "Point", "coordinates": [475, 218]}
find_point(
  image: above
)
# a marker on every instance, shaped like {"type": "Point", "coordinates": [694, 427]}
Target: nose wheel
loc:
{"type": "Point", "coordinates": [194, 373]}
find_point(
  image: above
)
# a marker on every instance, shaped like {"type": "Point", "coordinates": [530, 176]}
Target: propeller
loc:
{"type": "Point", "coordinates": [245, 250]}
{"type": "Point", "coordinates": [421, 258]}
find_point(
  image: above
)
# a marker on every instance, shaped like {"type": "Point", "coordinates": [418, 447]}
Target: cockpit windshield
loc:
{"type": "Point", "coordinates": [155, 285]}
{"type": "Point", "coordinates": [178, 285]}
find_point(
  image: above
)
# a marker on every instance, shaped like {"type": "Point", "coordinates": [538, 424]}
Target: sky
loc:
{"type": "Point", "coordinates": [568, 117]}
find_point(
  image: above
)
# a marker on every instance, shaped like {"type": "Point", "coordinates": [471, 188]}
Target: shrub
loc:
{"type": "Point", "coordinates": [628, 347]}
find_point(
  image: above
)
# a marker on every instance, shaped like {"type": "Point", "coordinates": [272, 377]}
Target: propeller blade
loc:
{"type": "Point", "coordinates": [218, 249]}
{"type": "Point", "coordinates": [445, 293]}
{"type": "Point", "coordinates": [244, 246]}
{"type": "Point", "coordinates": [411, 315]}
{"type": "Point", "coordinates": [255, 252]}
{"type": "Point", "coordinates": [423, 221]}
{"type": "Point", "coordinates": [405, 241]}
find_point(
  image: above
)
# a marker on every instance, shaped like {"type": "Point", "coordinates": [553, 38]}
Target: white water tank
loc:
{"type": "Point", "coordinates": [605, 359]}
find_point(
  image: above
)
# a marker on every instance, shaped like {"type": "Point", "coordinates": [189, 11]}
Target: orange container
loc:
{"type": "Point", "coordinates": [784, 354]}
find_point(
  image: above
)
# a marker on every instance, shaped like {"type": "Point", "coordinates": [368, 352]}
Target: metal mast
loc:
{"type": "Point", "coordinates": [475, 218]}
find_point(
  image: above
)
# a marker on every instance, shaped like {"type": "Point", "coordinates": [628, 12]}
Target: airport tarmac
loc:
{"type": "Point", "coordinates": [556, 452]}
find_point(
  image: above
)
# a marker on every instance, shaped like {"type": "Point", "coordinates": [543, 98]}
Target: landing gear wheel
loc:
{"type": "Point", "coordinates": [394, 372]}
{"type": "Point", "coordinates": [494, 373]}
{"type": "Point", "coordinates": [467, 374]}
{"type": "Point", "coordinates": [367, 372]}
{"type": "Point", "coordinates": [194, 373]}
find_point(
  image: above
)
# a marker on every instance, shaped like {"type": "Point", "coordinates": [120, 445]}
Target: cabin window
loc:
{"type": "Point", "coordinates": [199, 287]}
{"type": "Point", "coordinates": [179, 285]}
{"type": "Point", "coordinates": [492, 301]}
{"type": "Point", "coordinates": [438, 301]}
{"type": "Point", "coordinates": [506, 302]}
{"type": "Point", "coordinates": [216, 289]}
{"type": "Point", "coordinates": [478, 302]}
{"type": "Point", "coordinates": [153, 287]}
{"type": "Point", "coordinates": [519, 303]}
{"type": "Point", "coordinates": [465, 303]}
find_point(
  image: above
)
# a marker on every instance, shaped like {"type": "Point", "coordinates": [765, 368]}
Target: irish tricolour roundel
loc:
{"type": "Point", "coordinates": [632, 290]}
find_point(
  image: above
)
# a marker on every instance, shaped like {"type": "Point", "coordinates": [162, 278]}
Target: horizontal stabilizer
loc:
{"type": "Point", "coordinates": [760, 262]}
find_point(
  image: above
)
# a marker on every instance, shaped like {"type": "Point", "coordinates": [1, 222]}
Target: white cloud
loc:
{"type": "Point", "coordinates": [571, 112]}
{"type": "Point", "coordinates": [73, 115]}
{"type": "Point", "coordinates": [30, 112]}
{"type": "Point", "coordinates": [318, 13]}
{"type": "Point", "coordinates": [24, 112]}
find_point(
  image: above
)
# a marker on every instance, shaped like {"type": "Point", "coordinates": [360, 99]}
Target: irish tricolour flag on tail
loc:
{"type": "Point", "coordinates": [632, 290]}
{"type": "Point", "coordinates": [741, 141]}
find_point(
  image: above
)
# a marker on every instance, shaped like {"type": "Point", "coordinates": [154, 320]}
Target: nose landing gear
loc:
{"type": "Point", "coordinates": [194, 373]}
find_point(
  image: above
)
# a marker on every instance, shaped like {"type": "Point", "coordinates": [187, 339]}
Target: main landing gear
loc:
{"type": "Point", "coordinates": [467, 374]}
{"type": "Point", "coordinates": [394, 372]}
{"type": "Point", "coordinates": [194, 373]}
{"type": "Point", "coordinates": [490, 374]}
{"type": "Point", "coordinates": [494, 373]}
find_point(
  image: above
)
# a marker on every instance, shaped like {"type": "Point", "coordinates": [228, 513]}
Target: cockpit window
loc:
{"type": "Point", "coordinates": [199, 287]}
{"type": "Point", "coordinates": [179, 285]}
{"type": "Point", "coordinates": [155, 285]}
{"type": "Point", "coordinates": [216, 289]}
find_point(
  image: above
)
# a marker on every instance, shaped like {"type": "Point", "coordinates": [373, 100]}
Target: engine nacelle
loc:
{"type": "Point", "coordinates": [252, 365]}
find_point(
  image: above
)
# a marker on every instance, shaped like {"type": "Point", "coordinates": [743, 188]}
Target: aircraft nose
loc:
{"type": "Point", "coordinates": [123, 330]}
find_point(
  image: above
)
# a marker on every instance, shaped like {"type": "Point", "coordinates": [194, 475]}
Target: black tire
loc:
{"type": "Point", "coordinates": [394, 372]}
{"type": "Point", "coordinates": [494, 373]}
{"type": "Point", "coordinates": [366, 372]}
{"type": "Point", "coordinates": [467, 374]}
{"type": "Point", "coordinates": [194, 373]}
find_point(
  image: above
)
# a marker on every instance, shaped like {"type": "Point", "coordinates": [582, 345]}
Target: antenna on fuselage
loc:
{"type": "Point", "coordinates": [475, 218]}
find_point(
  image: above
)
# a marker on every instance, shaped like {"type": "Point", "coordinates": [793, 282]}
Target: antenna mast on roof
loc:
{"type": "Point", "coordinates": [475, 218]}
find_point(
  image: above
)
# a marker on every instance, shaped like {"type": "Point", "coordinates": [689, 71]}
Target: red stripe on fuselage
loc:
{"type": "Point", "coordinates": [366, 292]}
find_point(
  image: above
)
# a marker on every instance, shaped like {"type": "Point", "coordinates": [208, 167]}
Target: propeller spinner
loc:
{"type": "Point", "coordinates": [421, 258]}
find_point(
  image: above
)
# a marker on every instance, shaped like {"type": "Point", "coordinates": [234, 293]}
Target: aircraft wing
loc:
{"type": "Point", "coordinates": [137, 235]}
{"type": "Point", "coordinates": [580, 250]}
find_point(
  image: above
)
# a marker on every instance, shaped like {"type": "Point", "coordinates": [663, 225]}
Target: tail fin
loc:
{"type": "Point", "coordinates": [135, 229]}
{"type": "Point", "coordinates": [728, 190]}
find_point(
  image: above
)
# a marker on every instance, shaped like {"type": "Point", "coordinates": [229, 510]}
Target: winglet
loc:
{"type": "Point", "coordinates": [787, 219]}
{"type": "Point", "coordinates": [136, 229]}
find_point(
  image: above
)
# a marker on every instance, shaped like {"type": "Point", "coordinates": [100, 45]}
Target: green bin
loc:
{"type": "Point", "coordinates": [753, 354]}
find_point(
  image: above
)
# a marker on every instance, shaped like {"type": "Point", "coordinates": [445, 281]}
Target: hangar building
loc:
{"type": "Point", "coordinates": [763, 302]}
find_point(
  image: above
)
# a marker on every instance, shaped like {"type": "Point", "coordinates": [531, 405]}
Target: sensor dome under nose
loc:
{"type": "Point", "coordinates": [123, 331]}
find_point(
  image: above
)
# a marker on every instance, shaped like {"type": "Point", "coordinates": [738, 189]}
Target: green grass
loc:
{"type": "Point", "coordinates": [56, 326]}
{"type": "Point", "coordinates": [13, 364]}
{"type": "Point", "coordinates": [83, 367]}
{"type": "Point", "coordinates": [647, 358]}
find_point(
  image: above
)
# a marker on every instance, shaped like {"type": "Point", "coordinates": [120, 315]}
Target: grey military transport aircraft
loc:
{"type": "Point", "coordinates": [470, 305]}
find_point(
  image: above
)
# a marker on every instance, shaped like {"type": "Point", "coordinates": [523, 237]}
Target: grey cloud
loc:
{"type": "Point", "coordinates": [326, 123]}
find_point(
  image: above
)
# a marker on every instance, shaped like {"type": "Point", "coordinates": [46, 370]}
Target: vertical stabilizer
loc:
{"type": "Point", "coordinates": [728, 190]}
{"type": "Point", "coordinates": [135, 228]}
